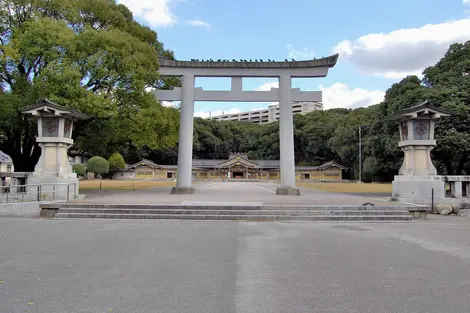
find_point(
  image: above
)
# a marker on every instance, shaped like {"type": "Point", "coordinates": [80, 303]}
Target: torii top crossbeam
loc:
{"type": "Point", "coordinates": [237, 70]}
{"type": "Point", "coordinates": [309, 68]}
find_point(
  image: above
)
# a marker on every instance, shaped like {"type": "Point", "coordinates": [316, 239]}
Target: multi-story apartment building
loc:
{"type": "Point", "coordinates": [270, 114]}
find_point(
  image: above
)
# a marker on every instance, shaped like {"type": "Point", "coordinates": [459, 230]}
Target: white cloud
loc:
{"type": "Point", "coordinates": [154, 12]}
{"type": "Point", "coordinates": [198, 23]}
{"type": "Point", "coordinates": [405, 51]}
{"type": "Point", "coordinates": [170, 104]}
{"type": "Point", "coordinates": [267, 86]}
{"type": "Point", "coordinates": [302, 54]}
{"type": "Point", "coordinates": [466, 1]}
{"type": "Point", "coordinates": [339, 95]}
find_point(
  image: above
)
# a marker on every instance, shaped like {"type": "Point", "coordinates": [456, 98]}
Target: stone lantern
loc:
{"type": "Point", "coordinates": [417, 176]}
{"type": "Point", "coordinates": [55, 124]}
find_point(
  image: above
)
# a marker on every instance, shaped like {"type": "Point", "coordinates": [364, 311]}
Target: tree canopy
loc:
{"type": "Point", "coordinates": [88, 55]}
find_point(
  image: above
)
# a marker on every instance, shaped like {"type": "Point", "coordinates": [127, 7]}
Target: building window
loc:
{"type": "Point", "coordinates": [169, 175]}
{"type": "Point", "coordinates": [8, 167]}
{"type": "Point", "coordinates": [305, 175]}
{"type": "Point", "coordinates": [331, 173]}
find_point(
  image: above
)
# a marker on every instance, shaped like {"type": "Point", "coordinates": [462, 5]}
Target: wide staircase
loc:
{"type": "Point", "coordinates": [228, 212]}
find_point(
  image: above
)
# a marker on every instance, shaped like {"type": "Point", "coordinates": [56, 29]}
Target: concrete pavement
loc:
{"type": "Point", "coordinates": [114, 266]}
{"type": "Point", "coordinates": [248, 192]}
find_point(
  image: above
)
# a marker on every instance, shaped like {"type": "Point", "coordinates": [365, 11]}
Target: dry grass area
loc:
{"type": "Point", "coordinates": [123, 184]}
{"type": "Point", "coordinates": [349, 187]}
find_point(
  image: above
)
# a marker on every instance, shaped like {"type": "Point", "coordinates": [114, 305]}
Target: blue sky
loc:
{"type": "Point", "coordinates": [379, 42]}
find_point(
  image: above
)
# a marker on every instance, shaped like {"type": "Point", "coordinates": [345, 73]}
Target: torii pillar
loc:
{"type": "Point", "coordinates": [185, 143]}
{"type": "Point", "coordinates": [286, 138]}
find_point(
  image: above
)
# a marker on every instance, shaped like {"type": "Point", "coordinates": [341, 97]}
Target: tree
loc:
{"type": "Point", "coordinates": [369, 170]}
{"type": "Point", "coordinates": [449, 84]}
{"type": "Point", "coordinates": [88, 55]}
{"type": "Point", "coordinates": [98, 165]}
{"type": "Point", "coordinates": [116, 162]}
{"type": "Point", "coordinates": [79, 168]}
{"type": "Point", "coordinates": [311, 135]}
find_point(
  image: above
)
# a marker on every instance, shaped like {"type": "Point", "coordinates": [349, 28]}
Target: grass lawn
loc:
{"type": "Point", "coordinates": [123, 184]}
{"type": "Point", "coordinates": [349, 187]}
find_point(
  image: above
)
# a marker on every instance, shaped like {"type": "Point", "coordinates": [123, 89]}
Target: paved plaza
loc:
{"type": "Point", "coordinates": [215, 193]}
{"type": "Point", "coordinates": [82, 266]}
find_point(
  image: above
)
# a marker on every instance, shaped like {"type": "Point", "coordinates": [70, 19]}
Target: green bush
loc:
{"type": "Point", "coordinates": [79, 169]}
{"type": "Point", "coordinates": [98, 165]}
{"type": "Point", "coordinates": [116, 162]}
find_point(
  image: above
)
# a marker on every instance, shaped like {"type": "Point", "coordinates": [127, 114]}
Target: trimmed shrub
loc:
{"type": "Point", "coordinates": [116, 162]}
{"type": "Point", "coordinates": [98, 165]}
{"type": "Point", "coordinates": [79, 169]}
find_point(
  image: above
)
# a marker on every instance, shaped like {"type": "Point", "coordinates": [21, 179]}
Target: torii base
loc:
{"type": "Point", "coordinates": [287, 191]}
{"type": "Point", "coordinates": [182, 190]}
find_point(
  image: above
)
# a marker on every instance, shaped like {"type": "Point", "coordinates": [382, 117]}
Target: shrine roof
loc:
{"type": "Point", "coordinates": [46, 105]}
{"type": "Point", "coordinates": [424, 108]}
{"type": "Point", "coordinates": [5, 158]}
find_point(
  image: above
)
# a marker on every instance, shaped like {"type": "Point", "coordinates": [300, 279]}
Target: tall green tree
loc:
{"type": "Point", "coordinates": [89, 55]}
{"type": "Point", "coordinates": [449, 84]}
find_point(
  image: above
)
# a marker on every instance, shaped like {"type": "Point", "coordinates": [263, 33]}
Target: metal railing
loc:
{"type": "Point", "coordinates": [38, 192]}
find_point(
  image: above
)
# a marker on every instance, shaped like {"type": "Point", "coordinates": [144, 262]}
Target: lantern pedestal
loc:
{"type": "Point", "coordinates": [418, 189]}
{"type": "Point", "coordinates": [53, 178]}
{"type": "Point", "coordinates": [49, 188]}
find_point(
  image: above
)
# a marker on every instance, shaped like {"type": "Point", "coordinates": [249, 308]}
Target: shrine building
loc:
{"type": "Point", "coordinates": [237, 166]}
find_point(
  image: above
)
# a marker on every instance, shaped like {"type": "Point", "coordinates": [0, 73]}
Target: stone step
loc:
{"type": "Point", "coordinates": [223, 206]}
{"type": "Point", "coordinates": [345, 218]}
{"type": "Point", "coordinates": [294, 212]}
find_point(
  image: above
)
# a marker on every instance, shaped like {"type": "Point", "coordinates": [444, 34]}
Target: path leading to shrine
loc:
{"type": "Point", "coordinates": [217, 193]}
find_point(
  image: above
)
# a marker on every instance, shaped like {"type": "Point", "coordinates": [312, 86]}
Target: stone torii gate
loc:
{"type": "Point", "coordinates": [236, 70]}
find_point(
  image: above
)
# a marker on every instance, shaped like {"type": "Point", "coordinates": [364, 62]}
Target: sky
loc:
{"type": "Point", "coordinates": [379, 42]}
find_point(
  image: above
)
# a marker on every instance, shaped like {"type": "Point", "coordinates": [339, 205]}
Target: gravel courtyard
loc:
{"type": "Point", "coordinates": [128, 266]}
{"type": "Point", "coordinates": [217, 192]}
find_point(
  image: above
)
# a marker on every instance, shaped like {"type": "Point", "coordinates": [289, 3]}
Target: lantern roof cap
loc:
{"type": "Point", "coordinates": [48, 107]}
{"type": "Point", "coordinates": [423, 110]}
